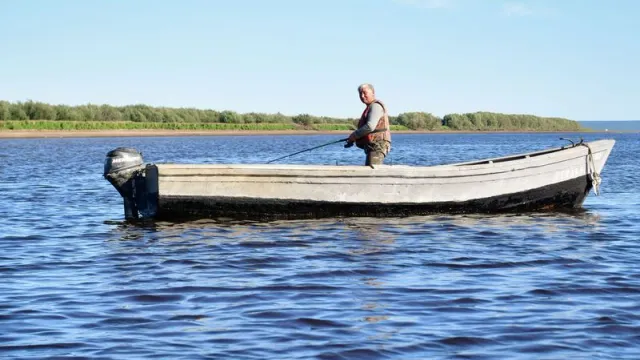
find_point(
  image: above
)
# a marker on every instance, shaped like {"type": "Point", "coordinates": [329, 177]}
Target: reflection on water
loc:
{"type": "Point", "coordinates": [370, 227]}
{"type": "Point", "coordinates": [374, 232]}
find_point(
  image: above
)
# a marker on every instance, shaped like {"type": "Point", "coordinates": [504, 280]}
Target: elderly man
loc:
{"type": "Point", "coordinates": [372, 135]}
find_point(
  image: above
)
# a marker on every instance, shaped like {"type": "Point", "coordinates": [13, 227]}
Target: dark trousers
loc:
{"type": "Point", "coordinates": [374, 157]}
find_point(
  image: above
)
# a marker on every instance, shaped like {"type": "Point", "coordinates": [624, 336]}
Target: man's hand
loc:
{"type": "Point", "coordinates": [350, 140]}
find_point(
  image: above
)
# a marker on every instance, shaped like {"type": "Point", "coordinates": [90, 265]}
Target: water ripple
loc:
{"type": "Point", "coordinates": [80, 282]}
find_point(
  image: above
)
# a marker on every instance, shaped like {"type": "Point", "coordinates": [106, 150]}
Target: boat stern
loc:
{"type": "Point", "coordinates": [134, 181]}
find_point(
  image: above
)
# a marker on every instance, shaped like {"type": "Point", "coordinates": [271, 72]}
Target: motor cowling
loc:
{"type": "Point", "coordinates": [121, 167]}
{"type": "Point", "coordinates": [121, 159]}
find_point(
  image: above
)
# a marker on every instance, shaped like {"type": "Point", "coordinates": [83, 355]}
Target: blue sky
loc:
{"type": "Point", "coordinates": [570, 58]}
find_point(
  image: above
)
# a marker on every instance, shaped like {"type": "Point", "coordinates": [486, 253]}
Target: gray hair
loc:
{"type": "Point", "coordinates": [362, 86]}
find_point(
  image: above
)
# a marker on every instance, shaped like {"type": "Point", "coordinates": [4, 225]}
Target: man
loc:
{"type": "Point", "coordinates": [372, 135]}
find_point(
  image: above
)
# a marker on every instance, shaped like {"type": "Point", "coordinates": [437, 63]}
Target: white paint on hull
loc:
{"type": "Point", "coordinates": [383, 183]}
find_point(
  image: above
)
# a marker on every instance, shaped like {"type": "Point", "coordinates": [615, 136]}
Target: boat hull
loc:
{"type": "Point", "coordinates": [548, 180]}
{"type": "Point", "coordinates": [567, 196]}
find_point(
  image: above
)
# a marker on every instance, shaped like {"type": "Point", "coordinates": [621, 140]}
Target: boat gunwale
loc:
{"type": "Point", "coordinates": [545, 159]}
{"type": "Point", "coordinates": [482, 164]}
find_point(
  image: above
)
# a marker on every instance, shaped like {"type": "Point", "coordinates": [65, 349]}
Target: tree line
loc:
{"type": "Point", "coordinates": [33, 110]}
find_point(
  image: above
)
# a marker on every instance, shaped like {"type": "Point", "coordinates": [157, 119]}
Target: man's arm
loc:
{"type": "Point", "coordinates": [375, 113]}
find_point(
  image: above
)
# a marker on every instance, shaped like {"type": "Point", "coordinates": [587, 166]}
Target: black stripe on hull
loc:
{"type": "Point", "coordinates": [565, 196]}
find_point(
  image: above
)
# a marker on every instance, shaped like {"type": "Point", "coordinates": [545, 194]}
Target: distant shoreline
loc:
{"type": "Point", "coordinates": [25, 134]}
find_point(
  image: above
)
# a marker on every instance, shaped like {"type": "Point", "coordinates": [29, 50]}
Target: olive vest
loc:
{"type": "Point", "coordinates": [383, 134]}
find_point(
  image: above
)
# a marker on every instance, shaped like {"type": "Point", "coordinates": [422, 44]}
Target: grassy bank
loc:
{"type": "Point", "coordinates": [131, 125]}
{"type": "Point", "coordinates": [31, 115]}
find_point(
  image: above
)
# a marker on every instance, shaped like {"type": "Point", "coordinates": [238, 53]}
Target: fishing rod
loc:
{"type": "Point", "coordinates": [323, 145]}
{"type": "Point", "coordinates": [313, 148]}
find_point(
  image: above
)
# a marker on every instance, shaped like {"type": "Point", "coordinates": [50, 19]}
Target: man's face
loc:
{"type": "Point", "coordinates": [366, 95]}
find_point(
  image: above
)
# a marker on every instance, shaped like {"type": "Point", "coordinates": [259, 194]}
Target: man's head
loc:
{"type": "Point", "coordinates": [367, 94]}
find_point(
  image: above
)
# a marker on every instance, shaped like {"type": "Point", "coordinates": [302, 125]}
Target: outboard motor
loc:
{"type": "Point", "coordinates": [120, 168]}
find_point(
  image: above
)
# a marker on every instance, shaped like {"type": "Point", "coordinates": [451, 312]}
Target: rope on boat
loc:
{"type": "Point", "coordinates": [591, 168]}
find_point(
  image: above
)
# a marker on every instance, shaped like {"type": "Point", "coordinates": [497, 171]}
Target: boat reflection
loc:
{"type": "Point", "coordinates": [370, 230]}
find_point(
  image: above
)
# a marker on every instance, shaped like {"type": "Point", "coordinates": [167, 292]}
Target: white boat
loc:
{"type": "Point", "coordinates": [552, 179]}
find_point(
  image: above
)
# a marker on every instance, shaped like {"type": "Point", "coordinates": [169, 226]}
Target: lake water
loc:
{"type": "Point", "coordinates": [79, 282]}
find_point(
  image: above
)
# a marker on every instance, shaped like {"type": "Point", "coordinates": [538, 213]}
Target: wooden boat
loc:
{"type": "Point", "coordinates": [552, 179]}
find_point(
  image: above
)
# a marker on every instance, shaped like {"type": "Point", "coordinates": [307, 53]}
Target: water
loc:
{"type": "Point", "coordinates": [77, 281]}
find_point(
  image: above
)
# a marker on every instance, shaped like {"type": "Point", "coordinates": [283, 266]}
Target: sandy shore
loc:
{"type": "Point", "coordinates": [24, 134]}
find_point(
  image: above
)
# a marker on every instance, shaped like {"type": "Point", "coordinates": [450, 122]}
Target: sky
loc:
{"type": "Point", "coordinates": [577, 59]}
